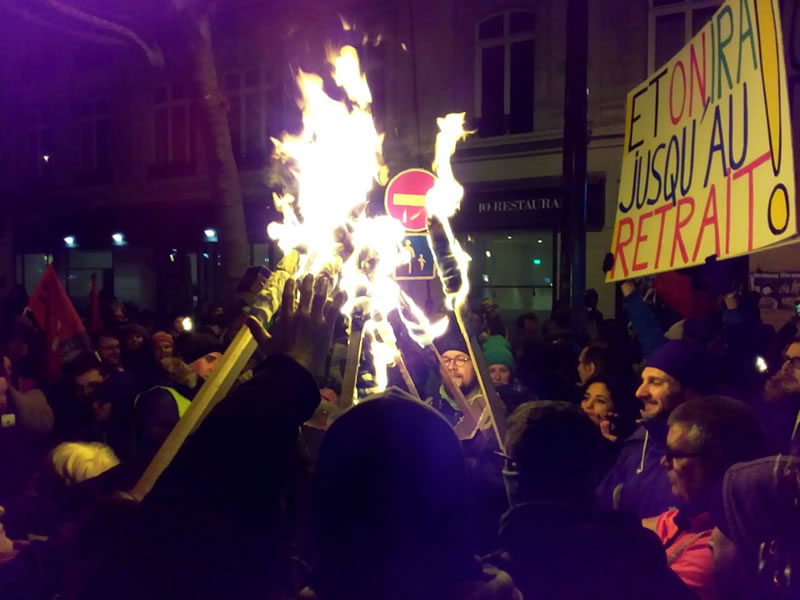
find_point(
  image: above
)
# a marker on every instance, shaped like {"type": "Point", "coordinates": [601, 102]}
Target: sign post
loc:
{"type": "Point", "coordinates": [405, 201]}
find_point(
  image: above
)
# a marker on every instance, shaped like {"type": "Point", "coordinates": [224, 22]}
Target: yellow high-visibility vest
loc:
{"type": "Point", "coordinates": [181, 402]}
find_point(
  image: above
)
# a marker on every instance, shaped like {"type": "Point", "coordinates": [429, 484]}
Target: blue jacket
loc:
{"type": "Point", "coordinates": [645, 324]}
{"type": "Point", "coordinates": [645, 489]}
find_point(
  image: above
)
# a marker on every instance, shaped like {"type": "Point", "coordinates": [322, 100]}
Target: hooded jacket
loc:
{"type": "Point", "coordinates": [570, 552]}
{"type": "Point", "coordinates": [637, 482]}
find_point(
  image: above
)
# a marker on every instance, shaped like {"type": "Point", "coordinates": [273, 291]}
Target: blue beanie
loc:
{"type": "Point", "coordinates": [685, 362]}
{"type": "Point", "coordinates": [497, 351]}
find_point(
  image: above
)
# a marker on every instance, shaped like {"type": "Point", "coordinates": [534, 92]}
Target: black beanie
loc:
{"type": "Point", "coordinates": [687, 363]}
{"type": "Point", "coordinates": [192, 346]}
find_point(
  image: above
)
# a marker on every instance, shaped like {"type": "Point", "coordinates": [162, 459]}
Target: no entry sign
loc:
{"type": "Point", "coordinates": [405, 197]}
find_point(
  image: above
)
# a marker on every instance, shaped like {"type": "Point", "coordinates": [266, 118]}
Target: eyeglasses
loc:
{"type": "Point", "coordinates": [795, 360]}
{"type": "Point", "coordinates": [510, 463]}
{"type": "Point", "coordinates": [671, 455]}
{"type": "Point", "coordinates": [459, 361]}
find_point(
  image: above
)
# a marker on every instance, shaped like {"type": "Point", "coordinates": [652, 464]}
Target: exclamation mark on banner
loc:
{"type": "Point", "coordinates": [769, 51]}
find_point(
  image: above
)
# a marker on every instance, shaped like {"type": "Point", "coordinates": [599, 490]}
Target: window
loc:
{"type": "Point", "coordinates": [514, 269]}
{"type": "Point", "coordinates": [39, 145]}
{"type": "Point", "coordinates": [30, 269]}
{"type": "Point", "coordinates": [95, 137]}
{"type": "Point", "coordinates": [173, 131]}
{"type": "Point", "coordinates": [504, 64]}
{"type": "Point", "coordinates": [256, 114]}
{"type": "Point", "coordinates": [81, 265]}
{"type": "Point", "coordinates": [672, 24]}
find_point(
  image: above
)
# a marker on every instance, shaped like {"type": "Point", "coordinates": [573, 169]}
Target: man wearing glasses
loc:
{"type": "Point", "coordinates": [705, 437]}
{"type": "Point", "coordinates": [782, 399]}
{"type": "Point", "coordinates": [458, 366]}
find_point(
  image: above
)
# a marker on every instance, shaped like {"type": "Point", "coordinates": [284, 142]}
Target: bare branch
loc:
{"type": "Point", "coordinates": [153, 53]}
{"type": "Point", "coordinates": [85, 35]}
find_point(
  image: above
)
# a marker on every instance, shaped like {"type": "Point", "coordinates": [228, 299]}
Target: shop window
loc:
{"type": "Point", "coordinates": [515, 270]}
{"type": "Point", "coordinates": [81, 265]}
{"type": "Point", "coordinates": [30, 268]}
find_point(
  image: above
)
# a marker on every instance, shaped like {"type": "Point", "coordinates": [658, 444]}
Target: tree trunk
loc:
{"type": "Point", "coordinates": [226, 190]}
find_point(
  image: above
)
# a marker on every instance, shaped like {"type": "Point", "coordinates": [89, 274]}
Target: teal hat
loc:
{"type": "Point", "coordinates": [497, 351]}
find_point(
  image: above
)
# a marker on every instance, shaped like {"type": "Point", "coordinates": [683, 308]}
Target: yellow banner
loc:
{"type": "Point", "coordinates": [708, 167]}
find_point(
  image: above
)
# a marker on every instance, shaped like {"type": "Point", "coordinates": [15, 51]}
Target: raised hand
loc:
{"type": "Point", "coordinates": [305, 327]}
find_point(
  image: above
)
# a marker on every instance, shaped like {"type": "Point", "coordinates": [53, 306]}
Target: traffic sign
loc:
{"type": "Point", "coordinates": [421, 264]}
{"type": "Point", "coordinates": [405, 197]}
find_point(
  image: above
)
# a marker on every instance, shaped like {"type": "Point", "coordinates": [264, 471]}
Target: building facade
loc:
{"type": "Point", "coordinates": [103, 170]}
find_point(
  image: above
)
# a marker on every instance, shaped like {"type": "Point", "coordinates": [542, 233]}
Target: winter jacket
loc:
{"type": "Point", "coordinates": [570, 552]}
{"type": "Point", "coordinates": [686, 540]}
{"type": "Point", "coordinates": [637, 482]}
{"type": "Point", "coordinates": [645, 324]}
{"type": "Point", "coordinates": [23, 439]}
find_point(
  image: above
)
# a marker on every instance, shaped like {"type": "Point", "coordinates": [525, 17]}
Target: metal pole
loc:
{"type": "Point", "coordinates": [572, 279]}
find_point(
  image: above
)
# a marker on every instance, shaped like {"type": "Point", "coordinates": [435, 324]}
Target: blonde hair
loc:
{"type": "Point", "coordinates": [74, 462]}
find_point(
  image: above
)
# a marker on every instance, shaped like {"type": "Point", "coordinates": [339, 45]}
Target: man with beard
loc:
{"type": "Point", "coordinates": [782, 399]}
{"type": "Point", "coordinates": [675, 373]}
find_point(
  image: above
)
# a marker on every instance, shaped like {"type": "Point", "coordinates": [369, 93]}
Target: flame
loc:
{"type": "Point", "coordinates": [444, 198]}
{"type": "Point", "coordinates": [335, 161]}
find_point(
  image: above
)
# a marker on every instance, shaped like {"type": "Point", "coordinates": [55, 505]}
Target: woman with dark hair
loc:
{"type": "Point", "coordinates": [612, 405]}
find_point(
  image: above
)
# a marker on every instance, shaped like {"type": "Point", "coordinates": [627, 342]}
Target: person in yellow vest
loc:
{"type": "Point", "coordinates": [159, 408]}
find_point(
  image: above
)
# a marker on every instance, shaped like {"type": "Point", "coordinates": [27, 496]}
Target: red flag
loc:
{"type": "Point", "coordinates": [65, 335]}
{"type": "Point", "coordinates": [95, 320]}
{"type": "Point", "coordinates": [675, 289]}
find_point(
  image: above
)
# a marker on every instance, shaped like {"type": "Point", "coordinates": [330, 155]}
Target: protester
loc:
{"type": "Point", "coordinates": [410, 538]}
{"type": "Point", "coordinates": [553, 543]}
{"type": "Point", "coordinates": [781, 401]}
{"type": "Point", "coordinates": [674, 373]}
{"type": "Point", "coordinates": [25, 421]}
{"type": "Point", "coordinates": [404, 495]}
{"type": "Point", "coordinates": [755, 545]}
{"type": "Point", "coordinates": [97, 406]}
{"type": "Point", "coordinates": [159, 408]}
{"type": "Point", "coordinates": [163, 345]}
{"type": "Point", "coordinates": [134, 338]}
{"type": "Point", "coordinates": [116, 316]}
{"type": "Point", "coordinates": [108, 347]}
{"type": "Point", "coordinates": [590, 301]}
{"type": "Point", "coordinates": [215, 322]}
{"type": "Point", "coordinates": [526, 333]}
{"type": "Point", "coordinates": [458, 366]}
{"type": "Point", "coordinates": [137, 355]}
{"type": "Point", "coordinates": [706, 436]}
{"type": "Point", "coordinates": [595, 360]}
{"type": "Point", "coordinates": [502, 370]}
{"type": "Point", "coordinates": [74, 462]}
{"type": "Point", "coordinates": [610, 404]}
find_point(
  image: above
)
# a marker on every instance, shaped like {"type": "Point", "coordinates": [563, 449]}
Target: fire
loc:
{"type": "Point", "coordinates": [334, 163]}
{"type": "Point", "coordinates": [444, 198]}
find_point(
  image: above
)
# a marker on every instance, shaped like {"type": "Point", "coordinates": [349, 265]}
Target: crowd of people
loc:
{"type": "Point", "coordinates": [651, 456]}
